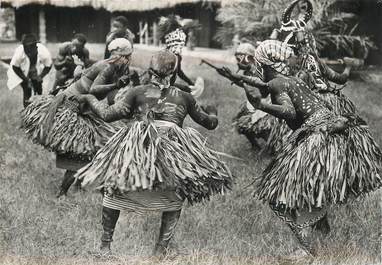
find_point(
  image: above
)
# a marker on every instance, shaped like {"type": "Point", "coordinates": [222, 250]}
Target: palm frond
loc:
{"type": "Point", "coordinates": [334, 31]}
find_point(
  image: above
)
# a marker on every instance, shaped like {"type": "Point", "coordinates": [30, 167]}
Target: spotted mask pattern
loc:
{"type": "Point", "coordinates": [175, 41]}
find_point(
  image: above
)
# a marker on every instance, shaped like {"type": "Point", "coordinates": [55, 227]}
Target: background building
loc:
{"type": "Point", "coordinates": [58, 20]}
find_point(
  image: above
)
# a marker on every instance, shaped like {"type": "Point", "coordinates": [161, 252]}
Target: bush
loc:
{"type": "Point", "coordinates": [254, 20]}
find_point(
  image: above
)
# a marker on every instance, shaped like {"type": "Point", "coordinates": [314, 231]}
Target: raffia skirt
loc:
{"type": "Point", "coordinates": [157, 156]}
{"type": "Point", "coordinates": [319, 167]}
{"type": "Point", "coordinates": [338, 102]}
{"type": "Point", "coordinates": [258, 124]}
{"type": "Point", "coordinates": [57, 123]}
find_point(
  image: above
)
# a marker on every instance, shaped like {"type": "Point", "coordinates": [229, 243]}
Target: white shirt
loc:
{"type": "Point", "coordinates": [20, 59]}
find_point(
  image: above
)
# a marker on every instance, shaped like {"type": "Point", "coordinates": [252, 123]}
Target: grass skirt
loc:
{"type": "Point", "coordinates": [58, 125]}
{"type": "Point", "coordinates": [252, 122]}
{"type": "Point", "coordinates": [320, 167]}
{"type": "Point", "coordinates": [157, 156]}
{"type": "Point", "coordinates": [338, 102]}
{"type": "Point", "coordinates": [279, 134]}
{"type": "Point", "coordinates": [255, 125]}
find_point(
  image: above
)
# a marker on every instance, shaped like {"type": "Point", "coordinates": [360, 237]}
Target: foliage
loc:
{"type": "Point", "coordinates": [334, 31]}
{"type": "Point", "coordinates": [254, 20]}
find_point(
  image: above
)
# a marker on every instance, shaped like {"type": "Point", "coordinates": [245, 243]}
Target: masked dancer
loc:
{"type": "Point", "coordinates": [154, 164]}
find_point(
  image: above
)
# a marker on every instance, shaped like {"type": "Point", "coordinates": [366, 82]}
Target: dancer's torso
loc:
{"type": "Point", "coordinates": [169, 104]}
{"type": "Point", "coordinates": [304, 101]}
{"type": "Point", "coordinates": [82, 86]}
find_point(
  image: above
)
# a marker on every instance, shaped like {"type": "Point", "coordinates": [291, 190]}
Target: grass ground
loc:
{"type": "Point", "coordinates": [36, 228]}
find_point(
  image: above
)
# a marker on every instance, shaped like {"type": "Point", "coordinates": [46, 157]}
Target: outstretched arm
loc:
{"type": "Point", "coordinates": [333, 76]}
{"type": "Point", "coordinates": [181, 74]}
{"type": "Point", "coordinates": [254, 81]}
{"type": "Point", "coordinates": [184, 77]}
{"type": "Point", "coordinates": [281, 106]}
{"type": "Point", "coordinates": [207, 118]}
{"type": "Point", "coordinates": [120, 110]}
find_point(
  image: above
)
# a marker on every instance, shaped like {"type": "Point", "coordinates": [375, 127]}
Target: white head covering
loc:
{"type": "Point", "coordinates": [120, 46]}
{"type": "Point", "coordinates": [175, 41]}
{"type": "Point", "coordinates": [246, 48]}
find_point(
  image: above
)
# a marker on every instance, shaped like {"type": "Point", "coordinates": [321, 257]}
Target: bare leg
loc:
{"type": "Point", "coordinates": [167, 230]}
{"type": "Point", "coordinates": [109, 220]}
{"type": "Point", "coordinates": [322, 225]}
{"type": "Point", "coordinates": [304, 237]}
{"type": "Point", "coordinates": [66, 182]}
{"type": "Point", "coordinates": [301, 224]}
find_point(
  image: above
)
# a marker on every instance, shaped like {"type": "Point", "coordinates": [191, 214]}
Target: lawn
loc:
{"type": "Point", "coordinates": [37, 228]}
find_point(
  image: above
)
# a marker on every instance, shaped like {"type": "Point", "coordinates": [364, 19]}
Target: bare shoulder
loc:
{"type": "Point", "coordinates": [278, 84]}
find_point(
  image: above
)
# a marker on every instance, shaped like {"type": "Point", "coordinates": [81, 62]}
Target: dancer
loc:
{"type": "Point", "coordinates": [174, 36]}
{"type": "Point", "coordinates": [329, 159]}
{"type": "Point", "coordinates": [72, 58]}
{"type": "Point", "coordinates": [154, 164]}
{"type": "Point", "coordinates": [275, 131]}
{"type": "Point", "coordinates": [254, 124]}
{"type": "Point", "coordinates": [317, 74]}
{"type": "Point", "coordinates": [30, 63]}
{"type": "Point", "coordinates": [119, 29]}
{"type": "Point", "coordinates": [61, 124]}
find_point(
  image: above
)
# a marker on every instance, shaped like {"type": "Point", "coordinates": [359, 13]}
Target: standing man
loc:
{"type": "Point", "coordinates": [119, 29]}
{"type": "Point", "coordinates": [30, 63]}
{"type": "Point", "coordinates": [72, 57]}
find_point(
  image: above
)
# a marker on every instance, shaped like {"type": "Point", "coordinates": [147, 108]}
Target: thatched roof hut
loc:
{"type": "Point", "coordinates": [57, 20]}
{"type": "Point", "coordinates": [116, 5]}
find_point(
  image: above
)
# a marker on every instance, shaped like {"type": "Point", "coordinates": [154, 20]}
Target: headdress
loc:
{"type": "Point", "coordinates": [275, 54]}
{"type": "Point", "coordinates": [290, 25]}
{"type": "Point", "coordinates": [120, 46]}
{"type": "Point", "coordinates": [171, 31]}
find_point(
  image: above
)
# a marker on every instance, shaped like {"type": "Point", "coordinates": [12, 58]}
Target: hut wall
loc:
{"type": "Point", "coordinates": [63, 23]}
{"type": "Point", "coordinates": [27, 18]}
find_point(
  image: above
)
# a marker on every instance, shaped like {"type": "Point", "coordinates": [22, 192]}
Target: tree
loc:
{"type": "Point", "coordinates": [254, 20]}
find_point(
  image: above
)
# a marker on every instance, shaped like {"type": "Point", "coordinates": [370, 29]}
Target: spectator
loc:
{"type": "Point", "coordinates": [119, 29]}
{"type": "Point", "coordinates": [73, 56]}
{"type": "Point", "coordinates": [30, 63]}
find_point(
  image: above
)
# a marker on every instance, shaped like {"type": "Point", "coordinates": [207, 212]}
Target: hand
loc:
{"type": "Point", "coordinates": [254, 96]}
{"type": "Point", "coordinates": [82, 99]}
{"type": "Point", "coordinates": [227, 70]}
{"type": "Point", "coordinates": [69, 59]}
{"type": "Point", "coordinates": [209, 109]}
{"type": "Point", "coordinates": [77, 60]}
{"type": "Point", "coordinates": [354, 62]}
{"type": "Point", "coordinates": [123, 81]}
{"type": "Point", "coordinates": [26, 80]}
{"type": "Point", "coordinates": [224, 71]}
{"type": "Point", "coordinates": [39, 79]}
{"type": "Point", "coordinates": [221, 72]}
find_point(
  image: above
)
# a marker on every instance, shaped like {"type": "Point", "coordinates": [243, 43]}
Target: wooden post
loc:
{"type": "Point", "coordinates": [42, 25]}
{"type": "Point", "coordinates": [155, 33]}
{"type": "Point", "coordinates": [140, 32]}
{"type": "Point", "coordinates": [147, 33]}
